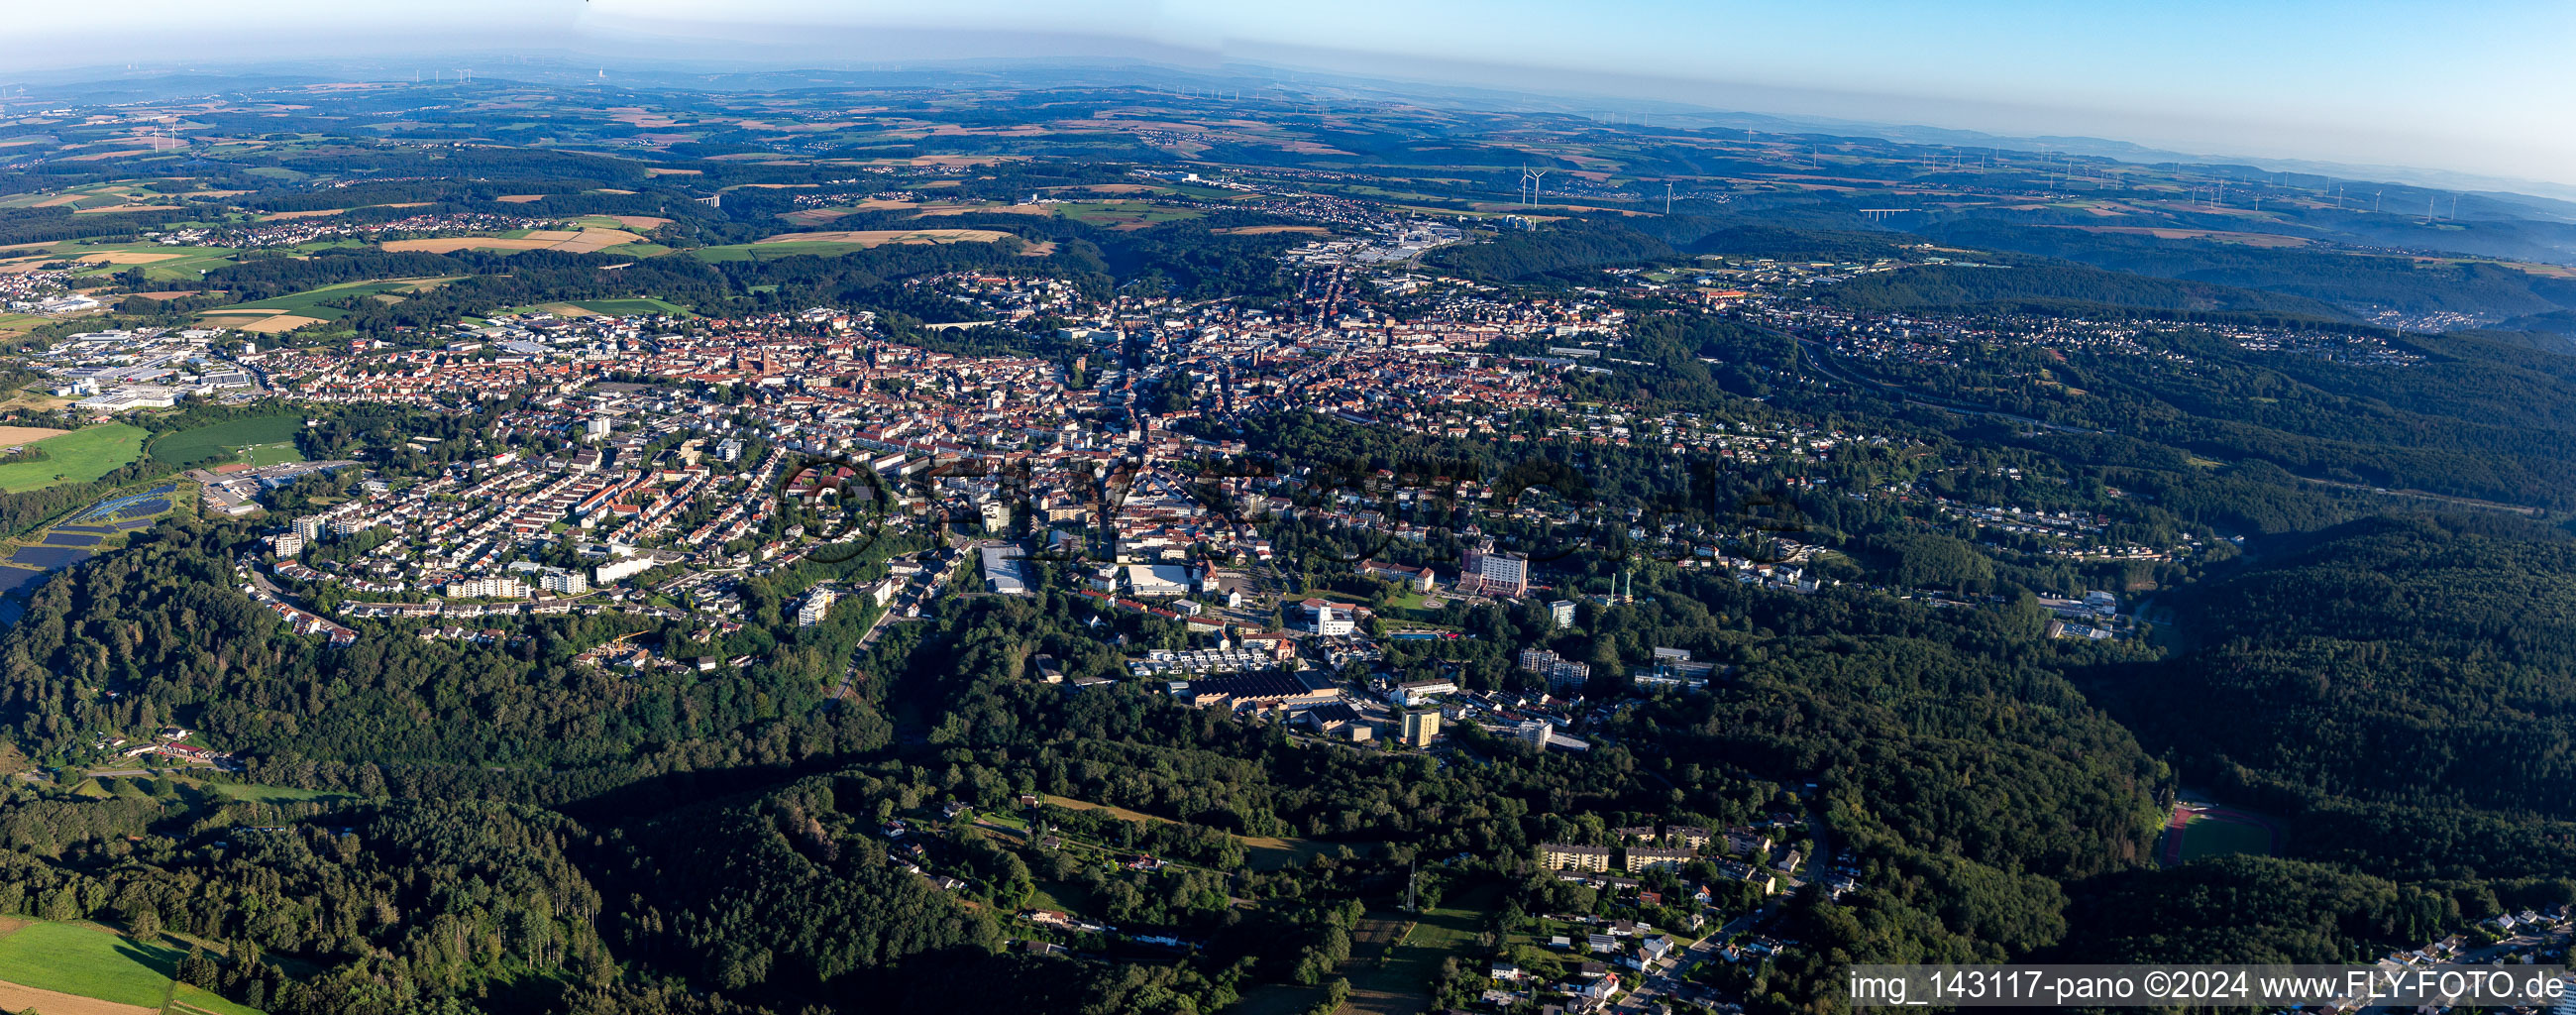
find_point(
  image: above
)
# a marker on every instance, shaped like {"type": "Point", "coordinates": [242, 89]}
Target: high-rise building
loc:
{"type": "Point", "coordinates": [1563, 676]}
{"type": "Point", "coordinates": [1493, 572]}
{"type": "Point", "coordinates": [1420, 726]}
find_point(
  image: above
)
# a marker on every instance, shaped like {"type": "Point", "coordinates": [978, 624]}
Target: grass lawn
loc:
{"type": "Point", "coordinates": [641, 305]}
{"type": "Point", "coordinates": [1063, 897]}
{"type": "Point", "coordinates": [1277, 999]}
{"type": "Point", "coordinates": [11, 324]}
{"type": "Point", "coordinates": [272, 454]}
{"type": "Point", "coordinates": [217, 440]}
{"type": "Point", "coordinates": [1394, 954]}
{"type": "Point", "coordinates": [1261, 852]}
{"type": "Point", "coordinates": [260, 793]}
{"type": "Point", "coordinates": [88, 960]}
{"type": "Point", "coordinates": [75, 457]}
{"type": "Point", "coordinates": [773, 251]}
{"type": "Point", "coordinates": [1124, 213]}
{"type": "Point", "coordinates": [183, 267]}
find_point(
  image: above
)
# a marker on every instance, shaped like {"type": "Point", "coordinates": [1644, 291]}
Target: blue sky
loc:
{"type": "Point", "coordinates": [2488, 88]}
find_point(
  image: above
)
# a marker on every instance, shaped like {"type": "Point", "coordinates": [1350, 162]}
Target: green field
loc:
{"type": "Point", "coordinates": [261, 793]}
{"type": "Point", "coordinates": [773, 251]}
{"type": "Point", "coordinates": [278, 453]}
{"type": "Point", "coordinates": [88, 960]}
{"type": "Point", "coordinates": [186, 267]}
{"type": "Point", "coordinates": [1123, 213]}
{"type": "Point", "coordinates": [633, 306]}
{"type": "Point", "coordinates": [217, 440]}
{"type": "Point", "coordinates": [75, 457]}
{"type": "Point", "coordinates": [309, 303]}
{"type": "Point", "coordinates": [1393, 977]}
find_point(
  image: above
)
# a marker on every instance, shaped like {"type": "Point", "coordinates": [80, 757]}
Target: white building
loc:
{"type": "Point", "coordinates": [818, 604]}
{"type": "Point", "coordinates": [487, 587]}
{"type": "Point", "coordinates": [619, 570]}
{"type": "Point", "coordinates": [1329, 620]}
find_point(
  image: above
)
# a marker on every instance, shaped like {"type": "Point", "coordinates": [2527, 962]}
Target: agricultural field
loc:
{"type": "Point", "coordinates": [220, 440]}
{"type": "Point", "coordinates": [576, 241]}
{"type": "Point", "coordinates": [159, 263]}
{"type": "Point", "coordinates": [75, 457]}
{"type": "Point", "coordinates": [99, 197]}
{"type": "Point", "coordinates": [833, 244]}
{"type": "Point", "coordinates": [1124, 214]}
{"type": "Point", "coordinates": [309, 306]}
{"type": "Point", "coordinates": [88, 960]}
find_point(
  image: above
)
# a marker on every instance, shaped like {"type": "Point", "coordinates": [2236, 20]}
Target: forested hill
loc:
{"type": "Point", "coordinates": [2340, 277]}
{"type": "Point", "coordinates": [2416, 675]}
{"type": "Point", "coordinates": [1949, 286]}
{"type": "Point", "coordinates": [1567, 245]}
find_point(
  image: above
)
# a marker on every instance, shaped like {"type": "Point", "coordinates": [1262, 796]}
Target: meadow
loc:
{"type": "Point", "coordinates": [207, 443]}
{"type": "Point", "coordinates": [159, 263]}
{"type": "Point", "coordinates": [75, 457]}
{"type": "Point", "coordinates": [311, 302]}
{"type": "Point", "coordinates": [93, 961]}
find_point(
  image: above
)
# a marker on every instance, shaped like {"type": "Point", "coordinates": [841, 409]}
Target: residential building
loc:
{"type": "Point", "coordinates": [1493, 572]}
{"type": "Point", "coordinates": [1646, 858]}
{"type": "Point", "coordinates": [1557, 856]}
{"type": "Point", "coordinates": [1420, 726]}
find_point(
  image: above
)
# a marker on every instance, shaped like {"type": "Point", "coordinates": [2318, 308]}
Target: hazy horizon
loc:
{"type": "Point", "coordinates": [2353, 84]}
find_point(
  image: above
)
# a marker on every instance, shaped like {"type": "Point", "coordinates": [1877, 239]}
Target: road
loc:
{"type": "Point", "coordinates": [921, 589]}
{"type": "Point", "coordinates": [1675, 971]}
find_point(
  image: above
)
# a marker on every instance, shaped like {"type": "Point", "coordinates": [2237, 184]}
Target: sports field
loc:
{"type": "Point", "coordinates": [217, 440]}
{"type": "Point", "coordinates": [75, 457]}
{"type": "Point", "coordinates": [274, 453]}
